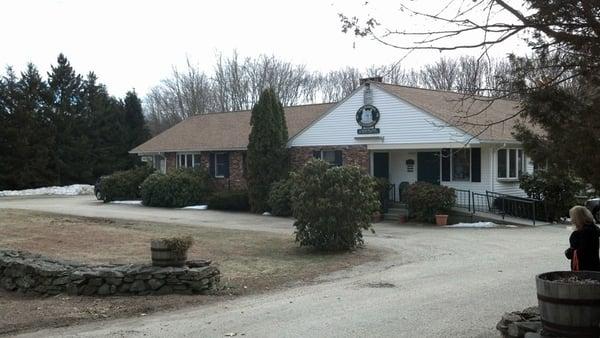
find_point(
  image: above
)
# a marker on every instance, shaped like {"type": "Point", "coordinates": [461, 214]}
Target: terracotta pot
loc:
{"type": "Point", "coordinates": [376, 217]}
{"type": "Point", "coordinates": [402, 219]}
{"type": "Point", "coordinates": [441, 219]}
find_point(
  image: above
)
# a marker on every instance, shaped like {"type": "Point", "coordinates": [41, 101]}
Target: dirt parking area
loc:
{"type": "Point", "coordinates": [250, 262]}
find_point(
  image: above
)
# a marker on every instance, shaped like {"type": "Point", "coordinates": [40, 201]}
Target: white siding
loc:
{"type": "Point", "coordinates": [503, 186]}
{"type": "Point", "coordinates": [489, 181]}
{"type": "Point", "coordinates": [400, 123]}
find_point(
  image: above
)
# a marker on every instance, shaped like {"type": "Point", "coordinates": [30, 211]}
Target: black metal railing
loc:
{"type": "Point", "coordinates": [387, 197]}
{"type": "Point", "coordinates": [463, 199]}
{"type": "Point", "coordinates": [508, 205]}
{"type": "Point", "coordinates": [391, 192]}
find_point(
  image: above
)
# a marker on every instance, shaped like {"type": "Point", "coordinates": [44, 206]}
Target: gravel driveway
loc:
{"type": "Point", "coordinates": [436, 282]}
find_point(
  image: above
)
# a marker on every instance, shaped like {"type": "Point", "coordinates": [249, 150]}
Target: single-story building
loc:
{"type": "Point", "coordinates": [401, 133]}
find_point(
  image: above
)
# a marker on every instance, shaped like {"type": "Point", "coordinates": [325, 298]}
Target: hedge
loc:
{"type": "Point", "coordinates": [124, 185]}
{"type": "Point", "coordinates": [229, 200]}
{"type": "Point", "coordinates": [279, 198]}
{"type": "Point", "coordinates": [178, 188]}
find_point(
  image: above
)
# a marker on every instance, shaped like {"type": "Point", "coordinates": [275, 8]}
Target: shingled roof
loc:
{"type": "Point", "coordinates": [475, 115]}
{"type": "Point", "coordinates": [230, 130]}
{"type": "Point", "coordinates": [223, 131]}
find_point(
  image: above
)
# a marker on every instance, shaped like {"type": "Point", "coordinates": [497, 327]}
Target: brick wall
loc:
{"type": "Point", "coordinates": [357, 155]}
{"type": "Point", "coordinates": [236, 179]}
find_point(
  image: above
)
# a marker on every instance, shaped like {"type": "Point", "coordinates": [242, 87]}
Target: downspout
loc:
{"type": "Point", "coordinates": [492, 178]}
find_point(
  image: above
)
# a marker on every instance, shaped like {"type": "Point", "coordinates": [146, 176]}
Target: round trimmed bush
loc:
{"type": "Point", "coordinates": [425, 200]}
{"type": "Point", "coordinates": [332, 205]}
{"type": "Point", "coordinates": [179, 188]}
{"type": "Point", "coordinates": [279, 198]}
{"type": "Point", "coordinates": [124, 185]}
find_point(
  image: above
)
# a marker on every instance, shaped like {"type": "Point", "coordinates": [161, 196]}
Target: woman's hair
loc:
{"type": "Point", "coordinates": [580, 216]}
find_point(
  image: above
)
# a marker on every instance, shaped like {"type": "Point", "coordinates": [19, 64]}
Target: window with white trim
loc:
{"type": "Point", "coordinates": [511, 163]}
{"type": "Point", "coordinates": [188, 160]}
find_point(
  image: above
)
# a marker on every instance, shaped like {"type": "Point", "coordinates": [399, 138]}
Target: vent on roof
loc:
{"type": "Point", "coordinates": [371, 79]}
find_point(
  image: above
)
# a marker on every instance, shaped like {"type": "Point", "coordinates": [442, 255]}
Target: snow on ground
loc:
{"type": "Point", "coordinates": [473, 225]}
{"type": "Point", "coordinates": [127, 202]}
{"type": "Point", "coordinates": [196, 207]}
{"type": "Point", "coordinates": [75, 189]}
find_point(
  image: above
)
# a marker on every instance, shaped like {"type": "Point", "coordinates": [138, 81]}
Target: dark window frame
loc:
{"type": "Point", "coordinates": [338, 156]}
{"type": "Point", "coordinates": [225, 161]}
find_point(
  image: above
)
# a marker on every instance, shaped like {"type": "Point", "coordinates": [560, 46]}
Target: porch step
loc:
{"type": "Point", "coordinates": [394, 213]}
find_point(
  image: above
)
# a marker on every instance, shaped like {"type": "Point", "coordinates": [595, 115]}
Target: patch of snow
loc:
{"type": "Point", "coordinates": [473, 225]}
{"type": "Point", "coordinates": [127, 202]}
{"type": "Point", "coordinates": [69, 190]}
{"type": "Point", "coordinates": [196, 207]}
{"type": "Point", "coordinates": [266, 213]}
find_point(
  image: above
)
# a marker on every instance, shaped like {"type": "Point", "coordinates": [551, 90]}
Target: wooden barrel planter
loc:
{"type": "Point", "coordinates": [569, 303]}
{"type": "Point", "coordinates": [162, 255]}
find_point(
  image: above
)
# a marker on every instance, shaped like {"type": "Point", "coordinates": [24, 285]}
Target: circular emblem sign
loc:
{"type": "Point", "coordinates": [367, 116]}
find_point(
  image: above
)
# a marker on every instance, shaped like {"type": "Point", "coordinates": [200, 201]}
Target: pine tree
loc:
{"type": "Point", "coordinates": [8, 134]}
{"type": "Point", "coordinates": [267, 151]}
{"type": "Point", "coordinates": [73, 148]}
{"type": "Point", "coordinates": [36, 141]}
{"type": "Point", "coordinates": [106, 128]}
{"type": "Point", "coordinates": [135, 123]}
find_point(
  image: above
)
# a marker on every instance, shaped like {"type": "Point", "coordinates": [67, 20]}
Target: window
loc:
{"type": "Point", "coordinates": [461, 165]}
{"type": "Point", "coordinates": [188, 160]}
{"type": "Point", "coordinates": [221, 165]}
{"type": "Point", "coordinates": [511, 163]}
{"type": "Point", "coordinates": [334, 157]}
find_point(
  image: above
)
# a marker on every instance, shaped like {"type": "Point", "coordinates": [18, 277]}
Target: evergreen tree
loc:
{"type": "Point", "coordinates": [135, 123]}
{"type": "Point", "coordinates": [72, 160]}
{"type": "Point", "coordinates": [267, 151]}
{"type": "Point", "coordinates": [8, 134]}
{"type": "Point", "coordinates": [36, 141]}
{"type": "Point", "coordinates": [106, 129]}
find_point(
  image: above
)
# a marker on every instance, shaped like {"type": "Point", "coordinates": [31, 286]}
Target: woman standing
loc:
{"type": "Point", "coordinates": [584, 241]}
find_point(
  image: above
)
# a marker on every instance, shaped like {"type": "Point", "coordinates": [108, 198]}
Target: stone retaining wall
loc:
{"type": "Point", "coordinates": [29, 273]}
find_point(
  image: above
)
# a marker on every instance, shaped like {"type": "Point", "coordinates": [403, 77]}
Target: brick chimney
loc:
{"type": "Point", "coordinates": [371, 79]}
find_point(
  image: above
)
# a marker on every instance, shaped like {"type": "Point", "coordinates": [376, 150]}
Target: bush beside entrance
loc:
{"type": "Point", "coordinates": [332, 205]}
{"type": "Point", "coordinates": [425, 200]}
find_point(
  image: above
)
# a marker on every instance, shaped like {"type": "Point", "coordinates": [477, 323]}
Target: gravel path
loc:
{"type": "Point", "coordinates": [436, 282]}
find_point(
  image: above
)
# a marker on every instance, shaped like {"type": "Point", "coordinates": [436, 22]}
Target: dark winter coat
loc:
{"type": "Point", "coordinates": [586, 242]}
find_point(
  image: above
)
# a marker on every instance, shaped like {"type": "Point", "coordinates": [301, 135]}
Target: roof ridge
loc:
{"type": "Point", "coordinates": [487, 98]}
{"type": "Point", "coordinates": [249, 110]}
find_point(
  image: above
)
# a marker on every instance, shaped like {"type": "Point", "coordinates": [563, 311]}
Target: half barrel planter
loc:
{"type": "Point", "coordinates": [162, 255]}
{"type": "Point", "coordinates": [569, 309]}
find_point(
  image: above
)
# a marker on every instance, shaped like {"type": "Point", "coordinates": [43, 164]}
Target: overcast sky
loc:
{"type": "Point", "coordinates": [134, 44]}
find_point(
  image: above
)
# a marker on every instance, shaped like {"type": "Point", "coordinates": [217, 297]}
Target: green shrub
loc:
{"type": "Point", "coordinates": [229, 200]}
{"type": "Point", "coordinates": [426, 199]}
{"type": "Point", "coordinates": [124, 185]}
{"type": "Point", "coordinates": [279, 198]}
{"type": "Point", "coordinates": [179, 188]}
{"type": "Point", "coordinates": [557, 190]}
{"type": "Point", "coordinates": [332, 205]}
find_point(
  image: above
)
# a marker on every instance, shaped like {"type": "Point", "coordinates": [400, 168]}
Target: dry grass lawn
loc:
{"type": "Point", "coordinates": [249, 261]}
